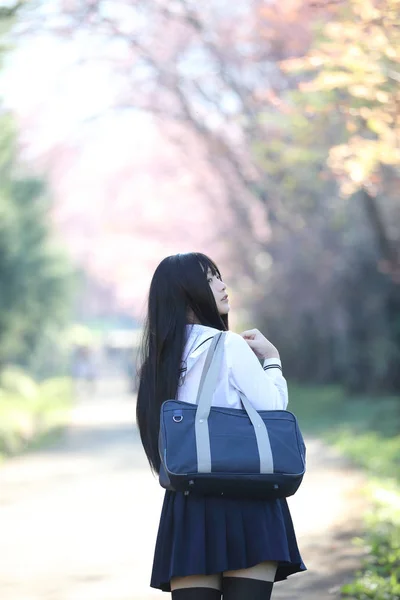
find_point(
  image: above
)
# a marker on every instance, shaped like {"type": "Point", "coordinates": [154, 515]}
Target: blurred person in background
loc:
{"type": "Point", "coordinates": [84, 370]}
{"type": "Point", "coordinates": [210, 546]}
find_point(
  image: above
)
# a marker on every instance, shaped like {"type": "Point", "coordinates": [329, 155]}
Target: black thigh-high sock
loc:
{"type": "Point", "coordinates": [244, 588]}
{"type": "Point", "coordinates": [196, 593]}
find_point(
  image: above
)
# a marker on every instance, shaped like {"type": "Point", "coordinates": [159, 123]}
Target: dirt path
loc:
{"type": "Point", "coordinates": [78, 521]}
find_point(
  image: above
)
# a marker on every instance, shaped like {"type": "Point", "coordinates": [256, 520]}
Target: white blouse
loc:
{"type": "Point", "coordinates": [265, 387]}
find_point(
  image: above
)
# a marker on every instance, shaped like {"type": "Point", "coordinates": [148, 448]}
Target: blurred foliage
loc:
{"type": "Point", "coordinates": [335, 271]}
{"type": "Point", "coordinates": [290, 115]}
{"type": "Point", "coordinates": [379, 578]}
{"type": "Point", "coordinates": [8, 15]}
{"type": "Point", "coordinates": [367, 432]}
{"type": "Point", "coordinates": [355, 72]}
{"type": "Point", "coordinates": [36, 279]}
{"type": "Point", "coordinates": [329, 411]}
{"type": "Point", "coordinates": [381, 459]}
{"type": "Point", "coordinates": [82, 335]}
{"type": "Point", "coordinates": [35, 276]}
{"type": "Point", "coordinates": [30, 411]}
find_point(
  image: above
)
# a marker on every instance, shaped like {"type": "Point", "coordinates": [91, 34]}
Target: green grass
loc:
{"type": "Point", "coordinates": [379, 577]}
{"type": "Point", "coordinates": [325, 410]}
{"type": "Point", "coordinates": [367, 430]}
{"type": "Point", "coordinates": [31, 414]}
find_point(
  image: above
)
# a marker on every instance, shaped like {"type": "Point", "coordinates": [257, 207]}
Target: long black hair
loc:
{"type": "Point", "coordinates": [179, 287]}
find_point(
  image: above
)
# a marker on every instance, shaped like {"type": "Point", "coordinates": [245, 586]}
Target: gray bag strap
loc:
{"type": "Point", "coordinates": [208, 383]}
{"type": "Point", "coordinates": [211, 362]}
{"type": "Point", "coordinates": [262, 437]}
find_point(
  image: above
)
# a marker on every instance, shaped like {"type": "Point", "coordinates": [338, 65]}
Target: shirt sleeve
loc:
{"type": "Point", "coordinates": [264, 386]}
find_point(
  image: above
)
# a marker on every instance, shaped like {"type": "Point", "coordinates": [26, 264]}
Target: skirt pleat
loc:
{"type": "Point", "coordinates": [205, 535]}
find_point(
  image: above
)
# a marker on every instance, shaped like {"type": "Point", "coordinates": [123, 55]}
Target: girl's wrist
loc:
{"type": "Point", "coordinates": [271, 354]}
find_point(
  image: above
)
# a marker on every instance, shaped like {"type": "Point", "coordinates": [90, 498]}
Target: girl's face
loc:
{"type": "Point", "coordinates": [218, 288]}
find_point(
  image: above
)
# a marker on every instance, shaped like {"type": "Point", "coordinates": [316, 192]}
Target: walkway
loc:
{"type": "Point", "coordinates": [78, 521]}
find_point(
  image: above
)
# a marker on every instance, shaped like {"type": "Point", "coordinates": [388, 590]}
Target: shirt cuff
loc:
{"type": "Point", "coordinates": [270, 364]}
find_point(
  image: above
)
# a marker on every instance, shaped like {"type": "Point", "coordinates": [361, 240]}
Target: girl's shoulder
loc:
{"type": "Point", "coordinates": [236, 348]}
{"type": "Point", "coordinates": [200, 337]}
{"type": "Point", "coordinates": [238, 353]}
{"type": "Point", "coordinates": [234, 340]}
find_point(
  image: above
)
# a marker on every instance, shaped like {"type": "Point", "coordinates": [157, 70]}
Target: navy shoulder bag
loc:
{"type": "Point", "coordinates": [212, 450]}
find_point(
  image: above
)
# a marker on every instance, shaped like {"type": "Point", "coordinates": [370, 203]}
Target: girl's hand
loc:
{"type": "Point", "coordinates": [259, 344]}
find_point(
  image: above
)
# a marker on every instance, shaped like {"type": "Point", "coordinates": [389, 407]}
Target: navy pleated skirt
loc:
{"type": "Point", "coordinates": [206, 535]}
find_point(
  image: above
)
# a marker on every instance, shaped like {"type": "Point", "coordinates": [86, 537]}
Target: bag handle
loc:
{"type": "Point", "coordinates": [211, 370]}
{"type": "Point", "coordinates": [208, 384]}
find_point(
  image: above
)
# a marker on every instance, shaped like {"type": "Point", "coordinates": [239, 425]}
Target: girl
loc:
{"type": "Point", "coordinates": [210, 546]}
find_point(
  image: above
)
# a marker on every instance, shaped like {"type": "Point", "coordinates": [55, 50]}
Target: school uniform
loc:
{"type": "Point", "coordinates": [206, 535]}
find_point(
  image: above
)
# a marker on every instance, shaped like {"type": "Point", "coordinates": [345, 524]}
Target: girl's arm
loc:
{"type": "Point", "coordinates": [265, 387]}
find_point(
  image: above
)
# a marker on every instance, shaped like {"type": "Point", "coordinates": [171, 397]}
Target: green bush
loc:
{"type": "Point", "coordinates": [326, 411]}
{"type": "Point", "coordinates": [367, 431]}
{"type": "Point", "coordinates": [379, 578]}
{"type": "Point", "coordinates": [15, 381]}
{"type": "Point", "coordinates": [379, 456]}
{"type": "Point", "coordinates": [28, 410]}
